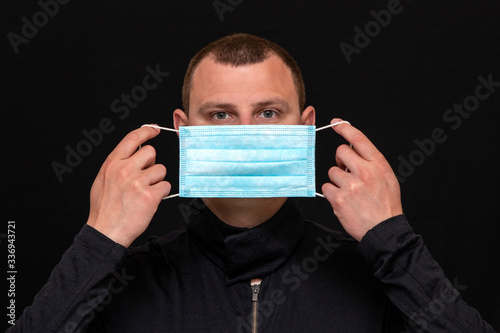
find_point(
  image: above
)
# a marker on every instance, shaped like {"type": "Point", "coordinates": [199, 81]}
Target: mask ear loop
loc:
{"type": "Point", "coordinates": [165, 129]}
{"type": "Point", "coordinates": [159, 127]}
{"type": "Point", "coordinates": [328, 126]}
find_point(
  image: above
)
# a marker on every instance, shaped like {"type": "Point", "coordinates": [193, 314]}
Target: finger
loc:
{"type": "Point", "coordinates": [154, 174]}
{"type": "Point", "coordinates": [361, 144]}
{"type": "Point", "coordinates": [161, 189]}
{"type": "Point", "coordinates": [339, 162]}
{"type": "Point", "coordinates": [338, 177]}
{"type": "Point", "coordinates": [331, 193]}
{"type": "Point", "coordinates": [132, 141]}
{"type": "Point", "coordinates": [347, 157]}
{"type": "Point", "coordinates": [144, 157]}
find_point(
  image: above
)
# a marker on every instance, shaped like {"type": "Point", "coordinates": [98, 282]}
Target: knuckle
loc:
{"type": "Point", "coordinates": [149, 149]}
{"type": "Point", "coordinates": [122, 173]}
{"type": "Point", "coordinates": [136, 185]}
{"type": "Point", "coordinates": [162, 169]}
{"type": "Point", "coordinates": [342, 148]}
{"type": "Point", "coordinates": [370, 179]}
{"type": "Point", "coordinates": [364, 175]}
{"type": "Point", "coordinates": [143, 199]}
{"type": "Point", "coordinates": [334, 198]}
{"type": "Point", "coordinates": [338, 201]}
{"type": "Point", "coordinates": [133, 136]}
{"type": "Point", "coordinates": [352, 188]}
{"type": "Point", "coordinates": [358, 137]}
{"type": "Point", "coordinates": [110, 167]}
{"type": "Point", "coordinates": [326, 189]}
{"type": "Point", "coordinates": [110, 163]}
{"type": "Point", "coordinates": [333, 172]}
{"type": "Point", "coordinates": [146, 196]}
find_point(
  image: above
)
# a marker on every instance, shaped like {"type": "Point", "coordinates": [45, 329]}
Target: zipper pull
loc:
{"type": "Point", "coordinates": [255, 284]}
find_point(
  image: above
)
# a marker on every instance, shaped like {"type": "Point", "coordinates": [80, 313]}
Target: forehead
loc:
{"type": "Point", "coordinates": [270, 78]}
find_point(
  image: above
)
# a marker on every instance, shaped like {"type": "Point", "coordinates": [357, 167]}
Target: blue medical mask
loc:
{"type": "Point", "coordinates": [247, 161]}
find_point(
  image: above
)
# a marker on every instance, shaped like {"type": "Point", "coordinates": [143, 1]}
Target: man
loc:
{"type": "Point", "coordinates": [248, 265]}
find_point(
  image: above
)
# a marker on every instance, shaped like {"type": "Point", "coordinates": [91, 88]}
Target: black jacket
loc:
{"type": "Point", "coordinates": [197, 279]}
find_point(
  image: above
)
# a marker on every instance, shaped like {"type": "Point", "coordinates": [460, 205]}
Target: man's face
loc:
{"type": "Point", "coordinates": [256, 94]}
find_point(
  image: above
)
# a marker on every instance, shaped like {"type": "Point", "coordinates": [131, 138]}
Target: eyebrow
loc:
{"type": "Point", "coordinates": [272, 101]}
{"type": "Point", "coordinates": [216, 105]}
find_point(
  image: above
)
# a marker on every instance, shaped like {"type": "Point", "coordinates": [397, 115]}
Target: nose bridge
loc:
{"type": "Point", "coordinates": [245, 117]}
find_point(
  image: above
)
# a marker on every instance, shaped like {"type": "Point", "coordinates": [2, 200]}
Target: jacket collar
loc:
{"type": "Point", "coordinates": [242, 253]}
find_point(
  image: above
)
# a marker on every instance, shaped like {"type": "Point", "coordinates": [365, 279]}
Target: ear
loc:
{"type": "Point", "coordinates": [308, 116]}
{"type": "Point", "coordinates": [180, 119]}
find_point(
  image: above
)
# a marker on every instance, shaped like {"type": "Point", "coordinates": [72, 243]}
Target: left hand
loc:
{"type": "Point", "coordinates": [369, 192]}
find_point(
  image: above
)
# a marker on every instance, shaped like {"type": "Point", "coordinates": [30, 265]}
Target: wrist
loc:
{"type": "Point", "coordinates": [115, 235]}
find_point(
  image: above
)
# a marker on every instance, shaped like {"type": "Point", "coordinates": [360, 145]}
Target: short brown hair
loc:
{"type": "Point", "coordinates": [238, 50]}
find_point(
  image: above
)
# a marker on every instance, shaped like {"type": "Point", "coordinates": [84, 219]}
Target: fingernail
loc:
{"type": "Point", "coordinates": [335, 120]}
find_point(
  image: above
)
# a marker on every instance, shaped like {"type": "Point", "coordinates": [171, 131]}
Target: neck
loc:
{"type": "Point", "coordinates": [243, 212]}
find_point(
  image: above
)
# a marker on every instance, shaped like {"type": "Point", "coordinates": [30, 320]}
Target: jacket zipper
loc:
{"type": "Point", "coordinates": [255, 284]}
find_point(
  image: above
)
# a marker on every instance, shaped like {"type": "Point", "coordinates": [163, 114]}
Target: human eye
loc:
{"type": "Point", "coordinates": [221, 115]}
{"type": "Point", "coordinates": [268, 114]}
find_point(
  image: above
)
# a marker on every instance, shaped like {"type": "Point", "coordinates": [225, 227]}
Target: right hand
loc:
{"type": "Point", "coordinates": [128, 189]}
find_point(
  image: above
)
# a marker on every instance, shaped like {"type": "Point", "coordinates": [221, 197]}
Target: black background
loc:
{"type": "Point", "coordinates": [396, 90]}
